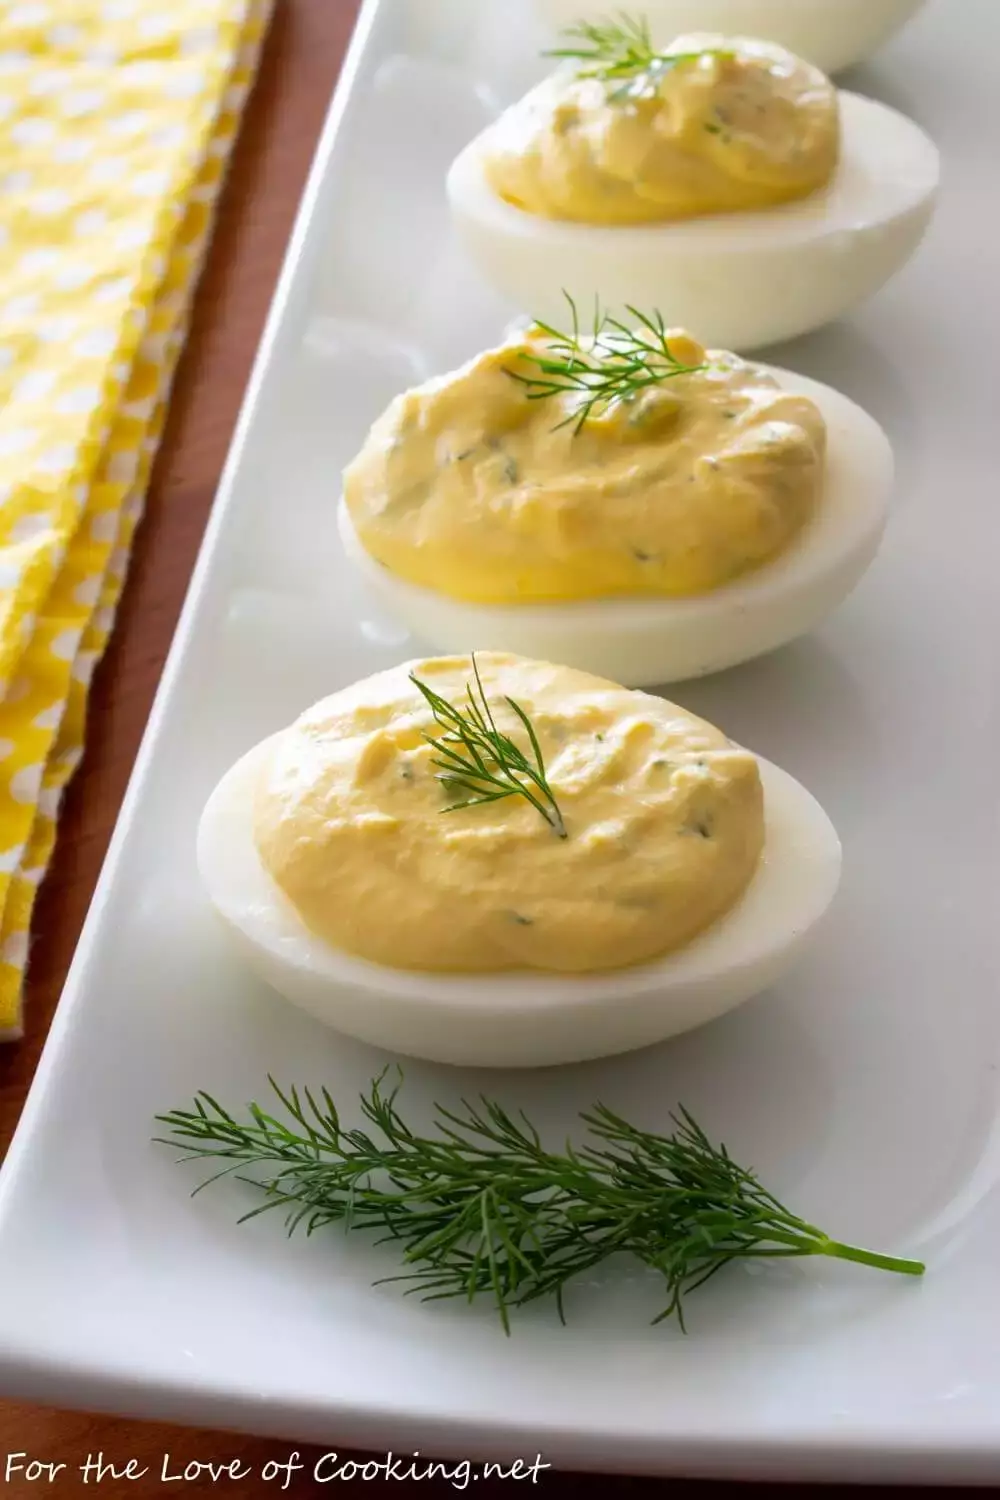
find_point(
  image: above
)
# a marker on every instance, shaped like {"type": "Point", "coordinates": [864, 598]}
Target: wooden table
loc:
{"type": "Point", "coordinates": [282, 124]}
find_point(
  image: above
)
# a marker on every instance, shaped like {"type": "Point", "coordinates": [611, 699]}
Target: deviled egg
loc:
{"type": "Point", "coordinates": [630, 504]}
{"type": "Point", "coordinates": [832, 34]}
{"type": "Point", "coordinates": [721, 179]}
{"type": "Point", "coordinates": [500, 862]}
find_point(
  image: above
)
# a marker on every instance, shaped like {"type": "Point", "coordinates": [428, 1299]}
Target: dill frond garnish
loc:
{"type": "Point", "coordinates": [613, 363]}
{"type": "Point", "coordinates": [482, 1207]}
{"type": "Point", "coordinates": [621, 52]}
{"type": "Point", "coordinates": [477, 762]}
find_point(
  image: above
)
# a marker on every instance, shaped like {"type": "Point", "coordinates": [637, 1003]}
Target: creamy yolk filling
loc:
{"type": "Point", "coordinates": [664, 825]}
{"type": "Point", "coordinates": [469, 487]}
{"type": "Point", "coordinates": [743, 125]}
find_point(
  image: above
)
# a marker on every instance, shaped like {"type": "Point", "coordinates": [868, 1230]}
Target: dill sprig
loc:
{"type": "Point", "coordinates": [482, 1207]}
{"type": "Point", "coordinates": [621, 52]}
{"type": "Point", "coordinates": [608, 49]}
{"type": "Point", "coordinates": [613, 363]}
{"type": "Point", "coordinates": [477, 762]}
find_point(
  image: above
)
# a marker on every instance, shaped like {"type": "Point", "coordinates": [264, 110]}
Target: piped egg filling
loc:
{"type": "Point", "coordinates": [386, 854]}
{"type": "Point", "coordinates": [708, 125]}
{"type": "Point", "coordinates": [499, 484]}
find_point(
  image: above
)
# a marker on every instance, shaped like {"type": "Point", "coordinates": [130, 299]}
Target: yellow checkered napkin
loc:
{"type": "Point", "coordinates": [116, 122]}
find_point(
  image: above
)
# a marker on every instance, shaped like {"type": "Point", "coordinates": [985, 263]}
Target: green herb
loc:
{"type": "Point", "coordinates": [622, 52]}
{"type": "Point", "coordinates": [614, 363]}
{"type": "Point", "coordinates": [607, 49]}
{"type": "Point", "coordinates": [481, 1206]}
{"type": "Point", "coordinates": [478, 763]}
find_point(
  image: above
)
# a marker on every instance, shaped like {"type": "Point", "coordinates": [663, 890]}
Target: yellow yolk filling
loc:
{"type": "Point", "coordinates": [467, 486]}
{"type": "Point", "coordinates": [663, 816]}
{"type": "Point", "coordinates": [743, 125]}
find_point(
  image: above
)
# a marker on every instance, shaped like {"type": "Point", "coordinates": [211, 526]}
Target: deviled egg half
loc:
{"type": "Point", "coordinates": [500, 862]}
{"type": "Point", "coordinates": [831, 34]}
{"type": "Point", "coordinates": [630, 504]}
{"type": "Point", "coordinates": [721, 179]}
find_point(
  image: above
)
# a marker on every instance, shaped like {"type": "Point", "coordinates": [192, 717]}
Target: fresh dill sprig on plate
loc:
{"type": "Point", "coordinates": [482, 1207]}
{"type": "Point", "coordinates": [477, 762]}
{"type": "Point", "coordinates": [621, 51]}
{"type": "Point", "coordinates": [613, 363]}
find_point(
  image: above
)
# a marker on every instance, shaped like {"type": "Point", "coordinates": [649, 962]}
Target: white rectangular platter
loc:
{"type": "Point", "coordinates": [864, 1089]}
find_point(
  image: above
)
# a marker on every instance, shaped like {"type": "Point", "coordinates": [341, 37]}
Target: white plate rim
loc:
{"type": "Point", "coordinates": [895, 1452]}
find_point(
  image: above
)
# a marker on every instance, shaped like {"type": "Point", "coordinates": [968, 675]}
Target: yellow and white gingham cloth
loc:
{"type": "Point", "coordinates": [116, 122]}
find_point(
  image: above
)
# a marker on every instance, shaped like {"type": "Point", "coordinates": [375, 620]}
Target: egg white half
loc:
{"type": "Point", "coordinates": [529, 1018]}
{"type": "Point", "coordinates": [645, 642]}
{"type": "Point", "coordinates": [737, 281]}
{"type": "Point", "coordinates": [831, 34]}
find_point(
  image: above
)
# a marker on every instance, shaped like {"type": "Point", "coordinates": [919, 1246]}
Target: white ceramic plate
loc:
{"type": "Point", "coordinates": [864, 1091]}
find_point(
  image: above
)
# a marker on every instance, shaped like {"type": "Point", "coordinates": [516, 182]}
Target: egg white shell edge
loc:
{"type": "Point", "coordinates": [525, 1019]}
{"type": "Point", "coordinates": [737, 280]}
{"type": "Point", "coordinates": [643, 642]}
{"type": "Point", "coordinates": [831, 35]}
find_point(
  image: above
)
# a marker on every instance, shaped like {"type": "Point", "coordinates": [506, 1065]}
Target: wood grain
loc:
{"type": "Point", "coordinates": [285, 113]}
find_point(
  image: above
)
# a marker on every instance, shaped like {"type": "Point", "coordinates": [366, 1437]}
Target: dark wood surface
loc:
{"type": "Point", "coordinates": [283, 120]}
